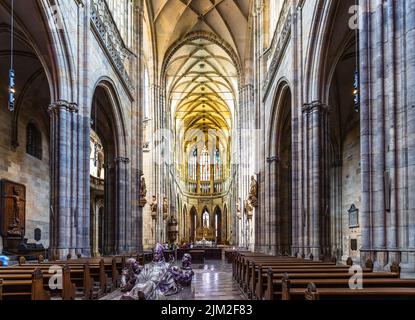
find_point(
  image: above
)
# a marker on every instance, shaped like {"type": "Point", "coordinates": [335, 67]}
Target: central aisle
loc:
{"type": "Point", "coordinates": [212, 281]}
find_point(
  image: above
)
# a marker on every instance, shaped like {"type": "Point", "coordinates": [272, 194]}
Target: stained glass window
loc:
{"type": "Point", "coordinates": [205, 165]}
{"type": "Point", "coordinates": [193, 165]}
{"type": "Point", "coordinates": [34, 141]}
{"type": "Point", "coordinates": [218, 166]}
{"type": "Point", "coordinates": [206, 219]}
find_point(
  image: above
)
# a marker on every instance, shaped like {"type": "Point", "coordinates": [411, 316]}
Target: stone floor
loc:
{"type": "Point", "coordinates": [212, 281]}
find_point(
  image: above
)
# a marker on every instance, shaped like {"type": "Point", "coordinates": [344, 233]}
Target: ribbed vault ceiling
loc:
{"type": "Point", "coordinates": [174, 19]}
{"type": "Point", "coordinates": [201, 74]}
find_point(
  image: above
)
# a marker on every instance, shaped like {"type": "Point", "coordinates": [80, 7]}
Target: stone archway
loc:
{"type": "Point", "coordinates": [107, 125]}
{"type": "Point", "coordinates": [284, 177]}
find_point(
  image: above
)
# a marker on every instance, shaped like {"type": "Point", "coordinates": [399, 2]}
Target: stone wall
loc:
{"type": "Point", "coordinates": [18, 166]}
{"type": "Point", "coordinates": [351, 182]}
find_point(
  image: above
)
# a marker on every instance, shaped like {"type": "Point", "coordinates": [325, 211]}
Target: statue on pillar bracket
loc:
{"type": "Point", "coordinates": [165, 208]}
{"type": "Point", "coordinates": [153, 207]}
{"type": "Point", "coordinates": [143, 192]}
{"type": "Point", "coordinates": [238, 209]}
{"type": "Point", "coordinates": [253, 192]}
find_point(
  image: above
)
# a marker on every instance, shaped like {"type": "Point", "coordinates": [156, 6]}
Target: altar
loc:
{"type": "Point", "coordinates": [205, 234]}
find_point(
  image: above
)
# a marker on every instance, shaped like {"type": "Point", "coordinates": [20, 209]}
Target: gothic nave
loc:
{"type": "Point", "coordinates": [252, 131]}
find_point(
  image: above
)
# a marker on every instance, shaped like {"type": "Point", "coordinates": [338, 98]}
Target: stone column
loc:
{"type": "Point", "coordinates": [109, 208]}
{"type": "Point", "coordinates": [122, 203]}
{"type": "Point", "coordinates": [387, 78]}
{"type": "Point", "coordinates": [316, 137]}
{"type": "Point", "coordinates": [136, 243]}
{"type": "Point", "coordinates": [406, 236]}
{"type": "Point", "coordinates": [63, 116]}
{"type": "Point", "coordinates": [272, 197]}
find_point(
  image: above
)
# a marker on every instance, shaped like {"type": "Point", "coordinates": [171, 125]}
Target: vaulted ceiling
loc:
{"type": "Point", "coordinates": [201, 75]}
{"type": "Point", "coordinates": [174, 19]}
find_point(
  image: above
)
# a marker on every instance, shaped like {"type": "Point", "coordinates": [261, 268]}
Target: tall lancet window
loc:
{"type": "Point", "coordinates": [193, 165]}
{"type": "Point", "coordinates": [218, 166]}
{"type": "Point", "coordinates": [206, 219]}
{"type": "Point", "coordinates": [205, 165]}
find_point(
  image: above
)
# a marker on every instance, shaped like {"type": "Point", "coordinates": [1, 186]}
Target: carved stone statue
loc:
{"type": "Point", "coordinates": [100, 163]}
{"type": "Point", "coordinates": [156, 281]}
{"type": "Point", "coordinates": [130, 274]}
{"type": "Point", "coordinates": [253, 192]}
{"type": "Point", "coordinates": [249, 209]}
{"type": "Point", "coordinates": [154, 207]}
{"type": "Point", "coordinates": [143, 191]}
{"type": "Point", "coordinates": [238, 209]}
{"type": "Point", "coordinates": [165, 208]}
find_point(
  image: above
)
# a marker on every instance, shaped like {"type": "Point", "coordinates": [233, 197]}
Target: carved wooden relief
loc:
{"type": "Point", "coordinates": [12, 209]}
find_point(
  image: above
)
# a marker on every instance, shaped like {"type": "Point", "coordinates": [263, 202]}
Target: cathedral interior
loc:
{"type": "Point", "coordinates": [260, 128]}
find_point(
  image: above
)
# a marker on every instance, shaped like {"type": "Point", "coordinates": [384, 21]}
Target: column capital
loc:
{"type": "Point", "coordinates": [315, 106]}
{"type": "Point", "coordinates": [63, 105]}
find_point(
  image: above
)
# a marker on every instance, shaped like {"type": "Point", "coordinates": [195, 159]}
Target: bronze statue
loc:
{"type": "Point", "coordinates": [156, 280]}
{"type": "Point", "coordinates": [184, 275]}
{"type": "Point", "coordinates": [130, 274]}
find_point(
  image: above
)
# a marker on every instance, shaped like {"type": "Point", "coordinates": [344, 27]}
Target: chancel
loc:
{"type": "Point", "coordinates": [207, 149]}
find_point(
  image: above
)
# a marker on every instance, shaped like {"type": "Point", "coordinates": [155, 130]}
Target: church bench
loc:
{"type": "Point", "coordinates": [256, 278]}
{"type": "Point", "coordinates": [82, 275]}
{"type": "Point", "coordinates": [23, 287]}
{"type": "Point", "coordinates": [274, 280]}
{"type": "Point", "coordinates": [238, 262]}
{"type": "Point", "coordinates": [18, 283]}
{"type": "Point", "coordinates": [253, 266]}
{"type": "Point", "coordinates": [241, 260]}
{"type": "Point", "coordinates": [384, 293]}
{"type": "Point", "coordinates": [248, 263]}
{"type": "Point", "coordinates": [293, 289]}
{"type": "Point", "coordinates": [96, 271]}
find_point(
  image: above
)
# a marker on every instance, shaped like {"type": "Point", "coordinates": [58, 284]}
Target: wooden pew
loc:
{"type": "Point", "coordinates": [279, 285]}
{"type": "Point", "coordinates": [256, 270]}
{"type": "Point", "coordinates": [68, 291]}
{"type": "Point", "coordinates": [76, 275]}
{"type": "Point", "coordinates": [27, 286]}
{"type": "Point", "coordinates": [383, 293]}
{"type": "Point", "coordinates": [294, 289]}
{"type": "Point", "coordinates": [258, 282]}
{"type": "Point", "coordinates": [96, 271]}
